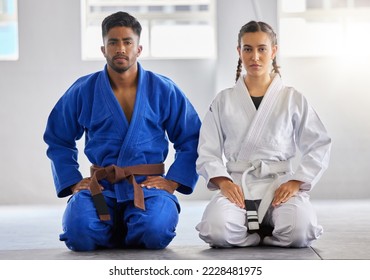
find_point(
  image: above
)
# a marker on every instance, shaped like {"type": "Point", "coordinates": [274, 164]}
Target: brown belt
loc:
{"type": "Point", "coordinates": [114, 174]}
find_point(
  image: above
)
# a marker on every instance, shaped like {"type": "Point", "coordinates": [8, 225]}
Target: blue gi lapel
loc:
{"type": "Point", "coordinates": [137, 118]}
{"type": "Point", "coordinates": [126, 130]}
{"type": "Point", "coordinates": [118, 115]}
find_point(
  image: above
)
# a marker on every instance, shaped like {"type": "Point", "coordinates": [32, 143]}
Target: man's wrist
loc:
{"type": "Point", "coordinates": [173, 184]}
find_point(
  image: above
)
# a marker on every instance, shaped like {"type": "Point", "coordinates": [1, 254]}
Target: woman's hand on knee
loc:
{"type": "Point", "coordinates": [230, 190]}
{"type": "Point", "coordinates": [285, 192]}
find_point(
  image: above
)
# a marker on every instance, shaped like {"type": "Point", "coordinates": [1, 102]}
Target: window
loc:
{"type": "Point", "coordinates": [323, 27]}
{"type": "Point", "coordinates": [8, 30]}
{"type": "Point", "coordinates": [176, 29]}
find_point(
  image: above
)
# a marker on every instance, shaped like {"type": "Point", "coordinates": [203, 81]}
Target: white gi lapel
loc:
{"type": "Point", "coordinates": [245, 100]}
{"type": "Point", "coordinates": [248, 147]}
{"type": "Point", "coordinates": [260, 118]}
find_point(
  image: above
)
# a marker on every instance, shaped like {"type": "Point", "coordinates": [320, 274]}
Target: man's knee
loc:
{"type": "Point", "coordinates": [151, 232]}
{"type": "Point", "coordinates": [78, 243]}
{"type": "Point", "coordinates": [82, 229]}
{"type": "Point", "coordinates": [76, 235]}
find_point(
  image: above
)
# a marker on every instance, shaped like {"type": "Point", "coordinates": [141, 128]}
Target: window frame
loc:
{"type": "Point", "coordinates": [149, 22]}
{"type": "Point", "coordinates": [9, 18]}
{"type": "Point", "coordinates": [341, 20]}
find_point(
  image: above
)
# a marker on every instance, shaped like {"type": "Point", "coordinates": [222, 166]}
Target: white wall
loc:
{"type": "Point", "coordinates": [50, 61]}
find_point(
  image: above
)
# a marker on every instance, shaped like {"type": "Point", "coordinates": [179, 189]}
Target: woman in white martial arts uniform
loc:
{"type": "Point", "coordinates": [249, 140]}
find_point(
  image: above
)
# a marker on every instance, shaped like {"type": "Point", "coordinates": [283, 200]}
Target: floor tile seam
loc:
{"type": "Point", "coordinates": [317, 253]}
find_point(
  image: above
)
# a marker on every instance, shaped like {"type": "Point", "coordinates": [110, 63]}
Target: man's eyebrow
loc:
{"type": "Point", "coordinates": [261, 45]}
{"type": "Point", "coordinates": [123, 39]}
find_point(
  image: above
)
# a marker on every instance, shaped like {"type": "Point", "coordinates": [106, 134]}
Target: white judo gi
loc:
{"type": "Point", "coordinates": [258, 150]}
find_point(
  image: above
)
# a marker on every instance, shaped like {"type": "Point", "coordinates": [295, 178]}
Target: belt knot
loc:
{"type": "Point", "coordinates": [114, 174]}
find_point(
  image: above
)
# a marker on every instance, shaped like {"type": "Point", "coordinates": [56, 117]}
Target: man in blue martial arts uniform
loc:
{"type": "Point", "coordinates": [127, 115]}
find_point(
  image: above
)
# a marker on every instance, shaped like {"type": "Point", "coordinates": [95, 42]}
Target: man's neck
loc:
{"type": "Point", "coordinates": [125, 79]}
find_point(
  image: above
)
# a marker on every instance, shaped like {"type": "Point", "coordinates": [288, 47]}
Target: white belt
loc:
{"type": "Point", "coordinates": [259, 168]}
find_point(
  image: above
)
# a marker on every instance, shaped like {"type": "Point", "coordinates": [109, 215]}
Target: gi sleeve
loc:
{"type": "Point", "coordinates": [210, 162]}
{"type": "Point", "coordinates": [314, 144]}
{"type": "Point", "coordinates": [62, 131]}
{"type": "Point", "coordinates": [182, 126]}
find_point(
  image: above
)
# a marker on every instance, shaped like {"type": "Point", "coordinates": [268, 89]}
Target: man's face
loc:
{"type": "Point", "coordinates": [121, 48]}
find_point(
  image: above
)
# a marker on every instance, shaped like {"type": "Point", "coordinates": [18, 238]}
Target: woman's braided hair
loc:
{"type": "Point", "coordinates": [257, 26]}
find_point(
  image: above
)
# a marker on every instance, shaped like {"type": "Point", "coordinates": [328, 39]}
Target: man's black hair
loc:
{"type": "Point", "coordinates": [120, 19]}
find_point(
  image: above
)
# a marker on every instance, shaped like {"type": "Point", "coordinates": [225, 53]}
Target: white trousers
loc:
{"type": "Point", "coordinates": [295, 224]}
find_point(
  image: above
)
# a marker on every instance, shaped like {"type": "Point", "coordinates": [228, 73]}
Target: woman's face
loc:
{"type": "Point", "coordinates": [256, 52]}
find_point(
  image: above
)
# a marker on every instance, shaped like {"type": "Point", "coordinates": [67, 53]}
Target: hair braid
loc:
{"type": "Point", "coordinates": [275, 67]}
{"type": "Point", "coordinates": [238, 69]}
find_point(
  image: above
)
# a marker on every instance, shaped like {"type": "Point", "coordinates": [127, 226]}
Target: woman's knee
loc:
{"type": "Point", "coordinates": [214, 232]}
{"type": "Point", "coordinates": [292, 237]}
{"type": "Point", "coordinates": [299, 233]}
{"type": "Point", "coordinates": [223, 227]}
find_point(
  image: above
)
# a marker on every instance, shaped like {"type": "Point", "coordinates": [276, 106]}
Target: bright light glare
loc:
{"type": "Point", "coordinates": [357, 36]}
{"type": "Point", "coordinates": [293, 6]}
{"type": "Point", "coordinates": [186, 41]}
{"type": "Point", "coordinates": [299, 38]}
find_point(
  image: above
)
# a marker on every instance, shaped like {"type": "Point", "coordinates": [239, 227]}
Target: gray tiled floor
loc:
{"type": "Point", "coordinates": [31, 232]}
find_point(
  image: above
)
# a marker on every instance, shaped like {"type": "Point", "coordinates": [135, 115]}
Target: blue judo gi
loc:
{"type": "Point", "coordinates": [162, 113]}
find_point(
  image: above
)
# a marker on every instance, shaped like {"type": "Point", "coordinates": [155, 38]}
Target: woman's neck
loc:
{"type": "Point", "coordinates": [257, 86]}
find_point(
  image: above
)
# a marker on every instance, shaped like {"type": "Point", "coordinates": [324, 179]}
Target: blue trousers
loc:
{"type": "Point", "coordinates": [129, 226]}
